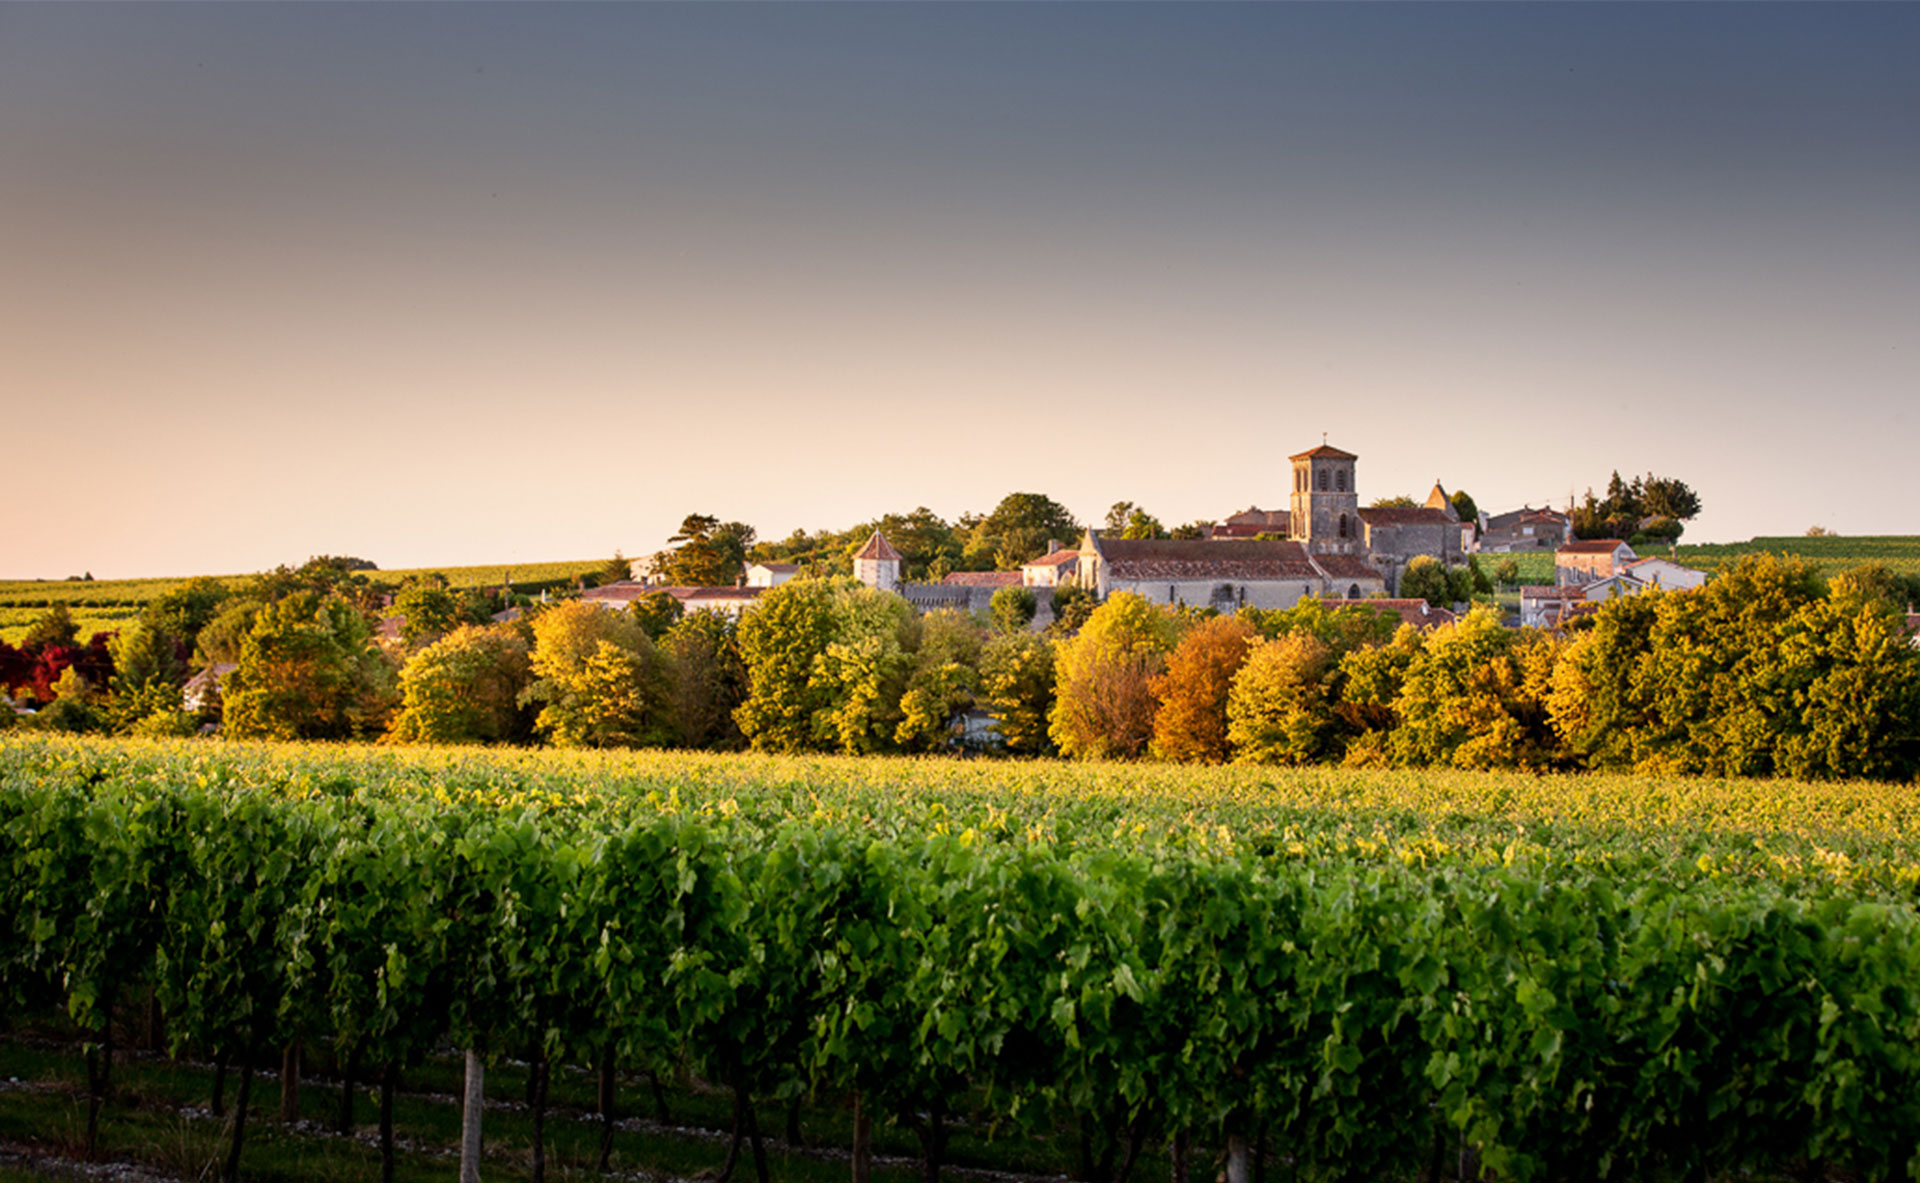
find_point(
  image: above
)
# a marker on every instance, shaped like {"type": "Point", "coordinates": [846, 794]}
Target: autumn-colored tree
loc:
{"type": "Point", "coordinates": [1191, 723]}
{"type": "Point", "coordinates": [1280, 708]}
{"type": "Point", "coordinates": [1104, 704]}
{"type": "Point", "coordinates": [465, 688]}
{"type": "Point", "coordinates": [308, 669]}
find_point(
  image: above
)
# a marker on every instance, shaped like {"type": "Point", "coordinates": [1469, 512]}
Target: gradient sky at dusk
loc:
{"type": "Point", "coordinates": [443, 284]}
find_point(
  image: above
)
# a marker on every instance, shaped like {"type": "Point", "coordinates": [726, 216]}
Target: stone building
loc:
{"type": "Point", "coordinates": [1324, 515]}
{"type": "Point", "coordinates": [1220, 574]}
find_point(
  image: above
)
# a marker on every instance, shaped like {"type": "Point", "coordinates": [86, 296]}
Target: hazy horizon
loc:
{"type": "Point", "coordinates": [443, 285]}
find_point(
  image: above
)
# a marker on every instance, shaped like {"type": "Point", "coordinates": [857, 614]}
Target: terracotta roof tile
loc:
{"type": "Point", "coordinates": [878, 547]}
{"type": "Point", "coordinates": [1592, 546]}
{"type": "Point", "coordinates": [1347, 567]}
{"type": "Point", "coordinates": [1055, 559]}
{"type": "Point", "coordinates": [1324, 452]}
{"type": "Point", "coordinates": [1166, 559]}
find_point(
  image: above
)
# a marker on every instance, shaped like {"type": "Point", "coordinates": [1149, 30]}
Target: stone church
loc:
{"type": "Point", "coordinates": [1324, 516]}
{"type": "Point", "coordinates": [1323, 547]}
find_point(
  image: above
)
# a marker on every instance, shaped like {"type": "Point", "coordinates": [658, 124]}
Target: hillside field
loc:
{"type": "Point", "coordinates": [101, 605]}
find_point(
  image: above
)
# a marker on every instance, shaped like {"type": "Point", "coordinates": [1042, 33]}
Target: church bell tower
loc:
{"type": "Point", "coordinates": [1326, 505]}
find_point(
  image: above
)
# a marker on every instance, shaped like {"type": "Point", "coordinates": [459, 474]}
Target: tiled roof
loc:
{"type": "Point", "coordinates": [779, 568]}
{"type": "Point", "coordinates": [1324, 452]}
{"type": "Point", "coordinates": [878, 547]}
{"type": "Point", "coordinates": [1246, 530]}
{"type": "Point", "coordinates": [1055, 559]}
{"type": "Point", "coordinates": [1539, 592]}
{"type": "Point", "coordinates": [982, 579]}
{"type": "Point", "coordinates": [1593, 546]}
{"type": "Point", "coordinates": [715, 593]}
{"type": "Point", "coordinates": [1347, 567]}
{"type": "Point", "coordinates": [626, 591]}
{"type": "Point", "coordinates": [1254, 515]}
{"type": "Point", "coordinates": [1160, 558]}
{"type": "Point", "coordinates": [1402, 516]}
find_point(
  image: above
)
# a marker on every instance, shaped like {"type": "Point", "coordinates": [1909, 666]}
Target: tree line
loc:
{"type": "Point", "coordinates": [1766, 670]}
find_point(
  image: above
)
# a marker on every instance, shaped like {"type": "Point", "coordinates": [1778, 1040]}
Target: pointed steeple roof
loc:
{"type": "Point", "coordinates": [878, 547]}
{"type": "Point", "coordinates": [1438, 499]}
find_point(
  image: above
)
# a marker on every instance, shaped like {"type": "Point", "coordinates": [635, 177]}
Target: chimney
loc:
{"type": "Point", "coordinates": [1053, 546]}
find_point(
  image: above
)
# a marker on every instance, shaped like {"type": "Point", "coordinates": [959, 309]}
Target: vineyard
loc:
{"type": "Point", "coordinates": [1342, 974]}
{"type": "Point", "coordinates": [102, 605]}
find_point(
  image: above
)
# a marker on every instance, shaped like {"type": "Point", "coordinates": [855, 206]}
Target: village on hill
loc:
{"type": "Point", "coordinates": [1324, 546]}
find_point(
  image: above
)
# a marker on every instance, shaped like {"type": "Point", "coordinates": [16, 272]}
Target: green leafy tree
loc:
{"type": "Point", "coordinates": [1344, 627]}
{"type": "Point", "coordinates": [222, 638]}
{"type": "Point", "coordinates": [1192, 531]}
{"type": "Point", "coordinates": [308, 669]}
{"type": "Point", "coordinates": [55, 626]}
{"type": "Point", "coordinates": [1104, 704]}
{"type": "Point", "coordinates": [148, 674]}
{"type": "Point", "coordinates": [1463, 505]}
{"type": "Point", "coordinates": [1397, 501]}
{"type": "Point", "coordinates": [599, 679]}
{"type": "Point", "coordinates": [465, 688]}
{"type": "Point", "coordinates": [1012, 608]}
{"type": "Point", "coordinates": [1073, 605]}
{"type": "Point", "coordinates": [706, 552]}
{"type": "Point", "coordinates": [862, 672]}
{"type": "Point", "coordinates": [1506, 572]}
{"type": "Point", "coordinates": [656, 613]}
{"type": "Point", "coordinates": [1018, 529]}
{"type": "Point", "coordinates": [428, 610]}
{"type": "Point", "coordinates": [1475, 697]}
{"type": "Point", "coordinates": [709, 679]}
{"type": "Point", "coordinates": [1017, 686]}
{"type": "Point", "coordinates": [781, 638]}
{"type": "Point", "coordinates": [944, 681]}
{"type": "Point", "coordinates": [1369, 680]}
{"type": "Point", "coordinates": [1426, 578]}
{"type": "Point", "coordinates": [1190, 725]}
{"type": "Point", "coordinates": [1280, 706]}
{"type": "Point", "coordinates": [182, 611]}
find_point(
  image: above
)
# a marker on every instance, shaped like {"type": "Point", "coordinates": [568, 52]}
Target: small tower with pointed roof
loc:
{"type": "Point", "coordinates": [1326, 504]}
{"type": "Point", "coordinates": [1439, 500]}
{"type": "Point", "coordinates": [878, 564]}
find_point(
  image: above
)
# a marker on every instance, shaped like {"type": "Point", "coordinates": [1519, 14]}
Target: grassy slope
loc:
{"type": "Point", "coordinates": [103, 604]}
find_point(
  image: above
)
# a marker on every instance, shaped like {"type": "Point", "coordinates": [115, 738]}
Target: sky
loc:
{"type": "Point", "coordinates": [444, 284]}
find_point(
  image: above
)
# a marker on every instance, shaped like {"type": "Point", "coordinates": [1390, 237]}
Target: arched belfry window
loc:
{"type": "Point", "coordinates": [1340, 480]}
{"type": "Point", "coordinates": [1323, 480]}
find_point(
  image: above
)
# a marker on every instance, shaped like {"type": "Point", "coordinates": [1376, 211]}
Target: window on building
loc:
{"type": "Point", "coordinates": [1353, 591]}
{"type": "Point", "coordinates": [1340, 481]}
{"type": "Point", "coordinates": [1323, 480]}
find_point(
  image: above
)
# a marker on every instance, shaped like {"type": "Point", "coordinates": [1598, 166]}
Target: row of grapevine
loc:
{"type": "Point", "coordinates": [1354, 1014]}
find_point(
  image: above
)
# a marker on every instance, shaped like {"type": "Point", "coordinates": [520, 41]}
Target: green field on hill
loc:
{"type": "Point", "coordinates": [102, 605]}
